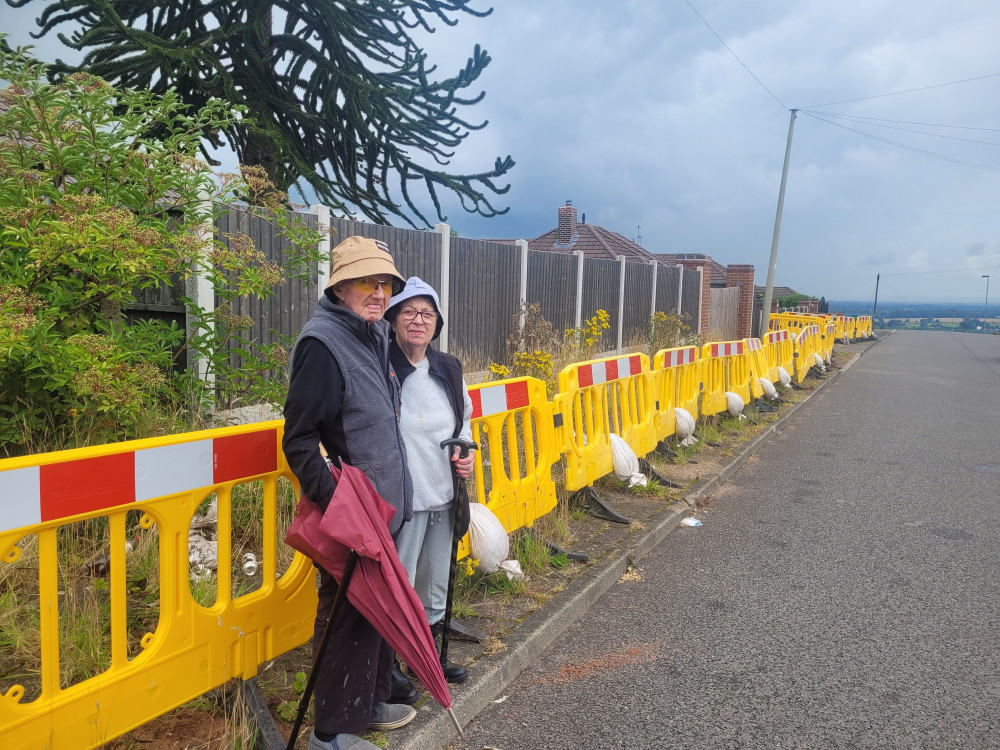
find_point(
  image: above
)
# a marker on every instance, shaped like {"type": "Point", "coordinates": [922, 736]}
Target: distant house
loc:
{"type": "Point", "coordinates": [804, 303]}
{"type": "Point", "coordinates": [593, 241]}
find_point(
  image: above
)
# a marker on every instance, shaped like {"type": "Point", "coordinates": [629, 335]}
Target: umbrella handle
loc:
{"type": "Point", "coordinates": [345, 580]}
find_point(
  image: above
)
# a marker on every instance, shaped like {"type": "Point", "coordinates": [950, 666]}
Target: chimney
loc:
{"type": "Point", "coordinates": [567, 224]}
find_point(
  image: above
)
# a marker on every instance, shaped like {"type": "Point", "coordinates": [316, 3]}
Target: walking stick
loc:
{"type": "Point", "coordinates": [464, 447]}
{"type": "Point", "coordinates": [307, 693]}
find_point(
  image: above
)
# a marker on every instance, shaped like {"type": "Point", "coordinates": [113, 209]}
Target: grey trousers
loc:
{"type": "Point", "coordinates": [424, 546]}
{"type": "Point", "coordinates": [356, 670]}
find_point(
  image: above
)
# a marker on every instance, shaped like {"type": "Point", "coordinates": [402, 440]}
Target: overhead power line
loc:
{"type": "Point", "coordinates": [903, 145]}
{"type": "Point", "coordinates": [747, 69]}
{"type": "Point", "coordinates": [906, 91]}
{"type": "Point", "coordinates": [879, 124]}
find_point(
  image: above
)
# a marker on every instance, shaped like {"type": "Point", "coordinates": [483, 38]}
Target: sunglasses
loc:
{"type": "Point", "coordinates": [368, 285]}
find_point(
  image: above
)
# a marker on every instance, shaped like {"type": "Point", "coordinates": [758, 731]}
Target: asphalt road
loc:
{"type": "Point", "coordinates": [842, 592]}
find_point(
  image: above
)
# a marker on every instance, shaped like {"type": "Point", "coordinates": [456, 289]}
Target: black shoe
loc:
{"type": "Point", "coordinates": [402, 689]}
{"type": "Point", "coordinates": [453, 673]}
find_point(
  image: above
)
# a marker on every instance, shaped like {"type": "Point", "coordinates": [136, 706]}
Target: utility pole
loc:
{"type": "Point", "coordinates": [875, 306]}
{"type": "Point", "coordinates": [765, 318]}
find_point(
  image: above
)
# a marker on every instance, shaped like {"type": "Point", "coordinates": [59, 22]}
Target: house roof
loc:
{"type": "Point", "coordinates": [594, 242]}
{"type": "Point", "coordinates": [778, 292]}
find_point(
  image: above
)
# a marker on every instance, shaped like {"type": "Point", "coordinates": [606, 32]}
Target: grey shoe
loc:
{"type": "Point", "coordinates": [342, 741]}
{"type": "Point", "coordinates": [391, 716]}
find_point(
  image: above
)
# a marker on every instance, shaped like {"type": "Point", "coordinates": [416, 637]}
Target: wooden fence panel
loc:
{"type": "Point", "coordinates": [284, 314]}
{"type": "Point", "coordinates": [723, 314]}
{"type": "Point", "coordinates": [552, 284]}
{"type": "Point", "coordinates": [600, 292]}
{"type": "Point", "coordinates": [484, 296]}
{"type": "Point", "coordinates": [638, 297]}
{"type": "Point", "coordinates": [690, 295]}
{"type": "Point", "coordinates": [667, 278]}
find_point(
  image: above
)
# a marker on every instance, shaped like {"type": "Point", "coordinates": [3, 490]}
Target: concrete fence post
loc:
{"type": "Point", "coordinates": [652, 301]}
{"type": "Point", "coordinates": [322, 214]}
{"type": "Point", "coordinates": [621, 301]}
{"type": "Point", "coordinates": [201, 292]}
{"type": "Point", "coordinates": [680, 292]}
{"type": "Point", "coordinates": [579, 287]}
{"type": "Point", "coordinates": [701, 301]}
{"type": "Point", "coordinates": [522, 248]}
{"type": "Point", "coordinates": [444, 231]}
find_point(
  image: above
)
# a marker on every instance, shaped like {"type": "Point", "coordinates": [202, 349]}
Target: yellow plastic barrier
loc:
{"type": "Point", "coordinates": [789, 321]}
{"type": "Point", "coordinates": [758, 366]}
{"type": "Point", "coordinates": [677, 375]}
{"type": "Point", "coordinates": [779, 348]}
{"type": "Point", "coordinates": [828, 333]}
{"type": "Point", "coordinates": [725, 366]}
{"type": "Point", "coordinates": [850, 327]}
{"type": "Point", "coordinates": [863, 327]}
{"type": "Point", "coordinates": [193, 648]}
{"type": "Point", "coordinates": [807, 345]}
{"type": "Point", "coordinates": [512, 422]}
{"type": "Point", "coordinates": [597, 398]}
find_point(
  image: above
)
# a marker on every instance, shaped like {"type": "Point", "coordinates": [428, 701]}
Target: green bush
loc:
{"type": "Point", "coordinates": [103, 194]}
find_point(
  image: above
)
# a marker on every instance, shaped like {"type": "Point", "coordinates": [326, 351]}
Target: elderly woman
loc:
{"type": "Point", "coordinates": [436, 406]}
{"type": "Point", "coordinates": [343, 394]}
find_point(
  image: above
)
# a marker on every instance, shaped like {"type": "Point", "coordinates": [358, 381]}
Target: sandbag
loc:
{"type": "Point", "coordinates": [768, 387]}
{"type": "Point", "coordinates": [784, 378]}
{"type": "Point", "coordinates": [818, 362]}
{"type": "Point", "coordinates": [488, 540]}
{"type": "Point", "coordinates": [684, 426]}
{"type": "Point", "coordinates": [734, 403]}
{"type": "Point", "coordinates": [626, 464]}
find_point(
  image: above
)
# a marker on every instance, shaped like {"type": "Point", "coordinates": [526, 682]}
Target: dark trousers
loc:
{"type": "Point", "coordinates": [356, 669]}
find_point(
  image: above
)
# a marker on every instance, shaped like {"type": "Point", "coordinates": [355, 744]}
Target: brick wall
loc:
{"type": "Point", "coordinates": [742, 276]}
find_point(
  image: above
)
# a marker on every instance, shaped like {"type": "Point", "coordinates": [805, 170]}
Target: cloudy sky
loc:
{"type": "Point", "coordinates": [638, 113]}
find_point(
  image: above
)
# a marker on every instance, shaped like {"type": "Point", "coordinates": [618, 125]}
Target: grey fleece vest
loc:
{"type": "Point", "coordinates": [370, 403]}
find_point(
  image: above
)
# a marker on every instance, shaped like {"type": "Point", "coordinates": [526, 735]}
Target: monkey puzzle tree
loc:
{"type": "Point", "coordinates": [338, 94]}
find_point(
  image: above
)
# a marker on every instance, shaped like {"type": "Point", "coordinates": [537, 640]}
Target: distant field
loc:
{"type": "Point", "coordinates": [991, 321]}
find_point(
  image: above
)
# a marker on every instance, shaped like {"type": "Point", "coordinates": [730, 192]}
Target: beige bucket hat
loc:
{"type": "Point", "coordinates": [357, 257]}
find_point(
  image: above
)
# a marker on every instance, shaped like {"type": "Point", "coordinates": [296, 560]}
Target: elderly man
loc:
{"type": "Point", "coordinates": [343, 394]}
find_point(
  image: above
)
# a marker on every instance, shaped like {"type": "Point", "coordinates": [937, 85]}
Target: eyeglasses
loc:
{"type": "Point", "coordinates": [368, 285]}
{"type": "Point", "coordinates": [409, 313]}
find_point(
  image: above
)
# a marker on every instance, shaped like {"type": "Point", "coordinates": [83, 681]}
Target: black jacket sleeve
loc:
{"type": "Point", "coordinates": [312, 416]}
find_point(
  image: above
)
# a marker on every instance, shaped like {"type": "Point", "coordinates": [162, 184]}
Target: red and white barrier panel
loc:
{"type": "Point", "coordinates": [753, 345]}
{"type": "Point", "coordinates": [494, 399]}
{"type": "Point", "coordinates": [680, 357]}
{"type": "Point", "coordinates": [781, 335]}
{"type": "Point", "coordinates": [605, 372]}
{"type": "Point", "coordinates": [49, 492]}
{"type": "Point", "coordinates": [729, 349]}
{"type": "Point", "coordinates": [808, 331]}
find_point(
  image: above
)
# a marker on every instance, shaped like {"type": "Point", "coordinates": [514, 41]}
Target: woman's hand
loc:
{"type": "Point", "coordinates": [463, 465]}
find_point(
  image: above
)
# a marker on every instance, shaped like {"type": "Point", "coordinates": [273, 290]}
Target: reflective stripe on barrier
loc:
{"type": "Point", "coordinates": [677, 379]}
{"type": "Point", "coordinates": [779, 348]}
{"type": "Point", "coordinates": [595, 399]}
{"type": "Point", "coordinates": [725, 367]}
{"type": "Point", "coordinates": [193, 648]}
{"type": "Point", "coordinates": [512, 423]}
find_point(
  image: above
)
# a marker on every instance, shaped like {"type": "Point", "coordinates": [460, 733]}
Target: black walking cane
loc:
{"type": "Point", "coordinates": [307, 693]}
{"type": "Point", "coordinates": [459, 483]}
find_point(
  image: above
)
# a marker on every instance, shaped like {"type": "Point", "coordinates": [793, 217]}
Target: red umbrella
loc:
{"type": "Point", "coordinates": [356, 521]}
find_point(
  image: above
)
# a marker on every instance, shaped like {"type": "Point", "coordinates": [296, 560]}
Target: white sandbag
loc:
{"type": "Point", "coordinates": [513, 570]}
{"type": "Point", "coordinates": [626, 464]}
{"type": "Point", "coordinates": [487, 538]}
{"type": "Point", "coordinates": [818, 362]}
{"type": "Point", "coordinates": [784, 378]}
{"type": "Point", "coordinates": [734, 403]}
{"type": "Point", "coordinates": [683, 423]}
{"type": "Point", "coordinates": [768, 387]}
{"type": "Point", "coordinates": [828, 360]}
